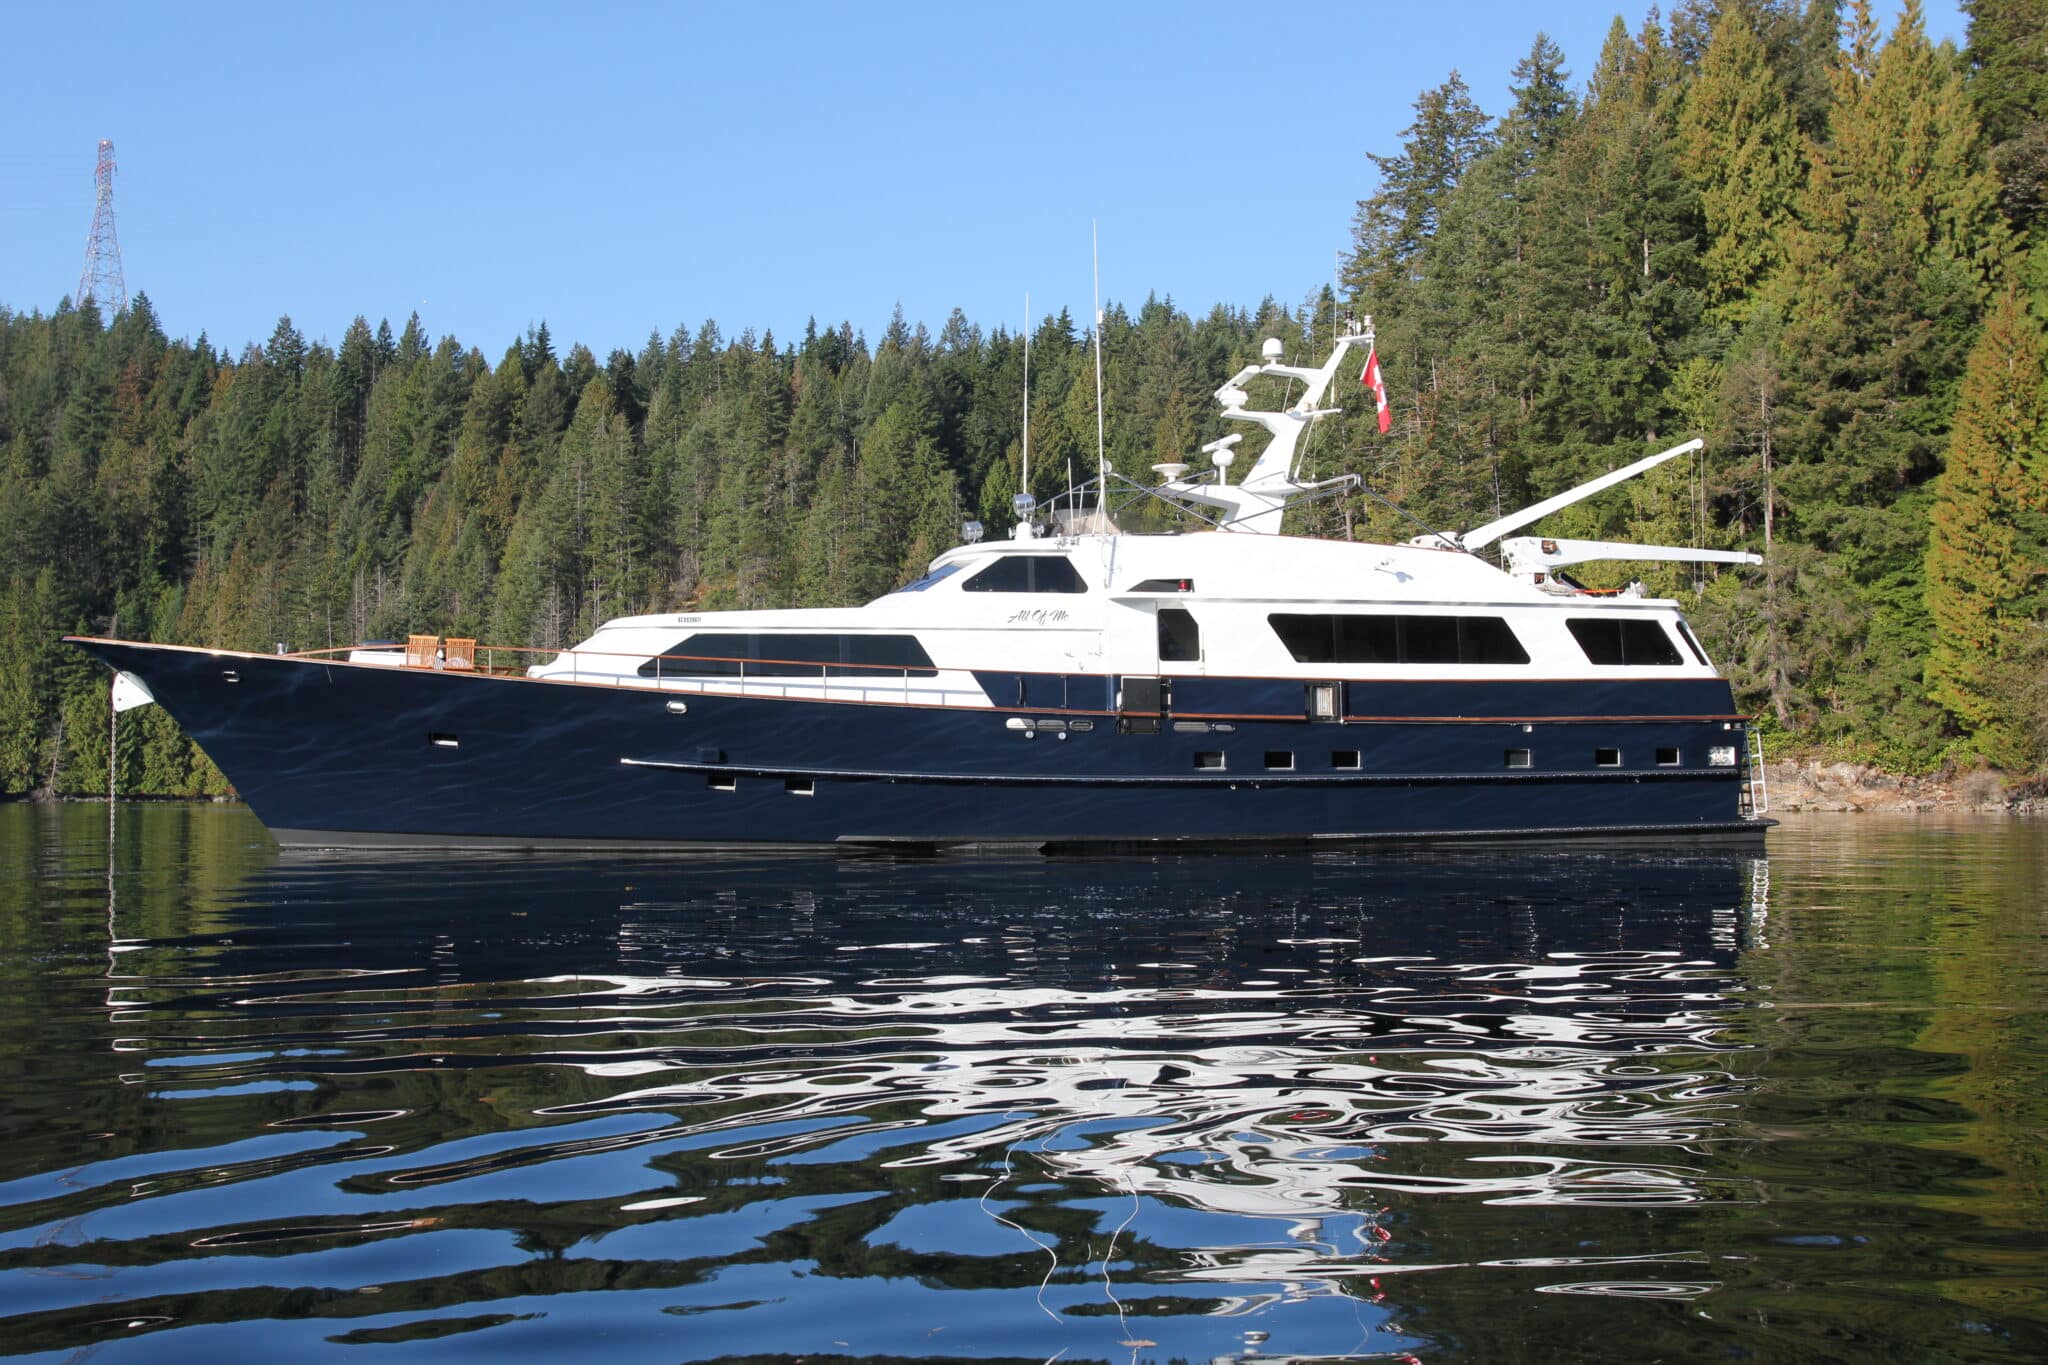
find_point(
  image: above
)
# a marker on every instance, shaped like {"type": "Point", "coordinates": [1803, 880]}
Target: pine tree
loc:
{"type": "Point", "coordinates": [1987, 558]}
{"type": "Point", "coordinates": [1897, 229]}
{"type": "Point", "coordinates": [1395, 226]}
{"type": "Point", "coordinates": [1739, 143]}
{"type": "Point", "coordinates": [1907, 155]}
{"type": "Point", "coordinates": [2008, 59]}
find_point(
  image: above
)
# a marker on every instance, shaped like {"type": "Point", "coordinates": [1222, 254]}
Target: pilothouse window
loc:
{"type": "Point", "coordinates": [791, 656]}
{"type": "Point", "coordinates": [1027, 573]}
{"type": "Point", "coordinates": [1358, 639]}
{"type": "Point", "coordinates": [944, 571]}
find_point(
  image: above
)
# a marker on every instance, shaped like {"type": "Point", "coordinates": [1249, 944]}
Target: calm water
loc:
{"type": "Point", "coordinates": [1480, 1107]}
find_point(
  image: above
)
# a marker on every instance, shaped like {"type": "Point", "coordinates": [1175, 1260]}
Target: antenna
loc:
{"type": "Point", "coordinates": [1336, 273]}
{"type": "Point", "coordinates": [101, 279]}
{"type": "Point", "coordinates": [1026, 485]}
{"type": "Point", "coordinates": [1023, 504]}
{"type": "Point", "coordinates": [1101, 462]}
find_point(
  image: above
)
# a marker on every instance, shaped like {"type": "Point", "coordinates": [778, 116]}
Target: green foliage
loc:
{"type": "Point", "coordinates": [317, 496]}
{"type": "Point", "coordinates": [1739, 227]}
{"type": "Point", "coordinates": [1739, 143]}
{"type": "Point", "coordinates": [1746, 231]}
{"type": "Point", "coordinates": [1987, 558]}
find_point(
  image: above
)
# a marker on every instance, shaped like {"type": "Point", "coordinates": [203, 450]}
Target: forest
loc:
{"type": "Point", "coordinates": [1813, 240]}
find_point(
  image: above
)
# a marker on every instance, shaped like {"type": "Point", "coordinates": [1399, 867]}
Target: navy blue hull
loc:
{"type": "Point", "coordinates": [333, 754]}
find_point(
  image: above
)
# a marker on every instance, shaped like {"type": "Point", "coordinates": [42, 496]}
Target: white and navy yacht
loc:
{"type": "Point", "coordinates": [1069, 683]}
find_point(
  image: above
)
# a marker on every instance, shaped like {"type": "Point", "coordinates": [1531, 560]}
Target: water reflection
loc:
{"type": "Point", "coordinates": [882, 1109]}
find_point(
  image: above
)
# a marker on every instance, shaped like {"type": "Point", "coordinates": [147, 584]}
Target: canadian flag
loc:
{"type": "Point", "coordinates": [1372, 380]}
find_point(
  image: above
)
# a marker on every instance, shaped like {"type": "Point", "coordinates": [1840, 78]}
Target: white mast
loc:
{"type": "Point", "coordinates": [1025, 485]}
{"type": "Point", "coordinates": [1022, 503]}
{"type": "Point", "coordinates": [1101, 463]}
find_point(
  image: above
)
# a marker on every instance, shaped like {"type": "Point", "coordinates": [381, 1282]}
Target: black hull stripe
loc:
{"type": "Point", "coordinates": [1254, 778]}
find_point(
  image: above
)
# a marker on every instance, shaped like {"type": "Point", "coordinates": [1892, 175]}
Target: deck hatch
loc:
{"type": "Point", "coordinates": [1140, 702]}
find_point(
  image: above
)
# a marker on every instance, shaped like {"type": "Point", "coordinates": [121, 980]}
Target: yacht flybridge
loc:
{"type": "Point", "coordinates": [1070, 684]}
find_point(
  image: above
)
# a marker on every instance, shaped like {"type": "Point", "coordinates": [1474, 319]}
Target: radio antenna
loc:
{"type": "Point", "coordinates": [1022, 503]}
{"type": "Point", "coordinates": [1101, 461]}
{"type": "Point", "coordinates": [1025, 487]}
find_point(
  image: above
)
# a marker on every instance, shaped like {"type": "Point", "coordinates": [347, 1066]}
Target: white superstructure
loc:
{"type": "Point", "coordinates": [1233, 599]}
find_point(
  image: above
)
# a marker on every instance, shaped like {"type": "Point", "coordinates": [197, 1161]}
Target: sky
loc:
{"type": "Point", "coordinates": [620, 170]}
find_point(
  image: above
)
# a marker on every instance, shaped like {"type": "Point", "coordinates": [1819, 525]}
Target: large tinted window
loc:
{"type": "Point", "coordinates": [792, 656]}
{"type": "Point", "coordinates": [1623, 640]}
{"type": "Point", "coordinates": [1027, 573]}
{"type": "Point", "coordinates": [1339, 639]}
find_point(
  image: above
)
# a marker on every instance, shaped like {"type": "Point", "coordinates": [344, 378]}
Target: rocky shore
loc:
{"type": "Point", "coordinates": [1810, 785]}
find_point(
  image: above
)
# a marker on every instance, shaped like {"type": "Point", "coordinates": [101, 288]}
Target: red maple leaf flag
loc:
{"type": "Point", "coordinates": [1372, 380]}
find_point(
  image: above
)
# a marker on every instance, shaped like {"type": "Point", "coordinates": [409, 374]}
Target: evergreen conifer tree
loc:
{"type": "Point", "coordinates": [1987, 557]}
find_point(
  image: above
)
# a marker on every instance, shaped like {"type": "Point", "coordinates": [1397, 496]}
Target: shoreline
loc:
{"type": "Point", "coordinates": [1812, 785]}
{"type": "Point", "coordinates": [1795, 786]}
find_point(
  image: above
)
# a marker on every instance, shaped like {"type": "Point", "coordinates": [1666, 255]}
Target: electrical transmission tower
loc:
{"type": "Point", "coordinates": [101, 279]}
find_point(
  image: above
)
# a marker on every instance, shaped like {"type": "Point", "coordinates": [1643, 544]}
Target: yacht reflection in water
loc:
{"type": "Point", "coordinates": [1171, 1090]}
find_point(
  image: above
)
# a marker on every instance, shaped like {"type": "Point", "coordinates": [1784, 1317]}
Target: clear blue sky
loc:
{"type": "Point", "coordinates": [616, 170]}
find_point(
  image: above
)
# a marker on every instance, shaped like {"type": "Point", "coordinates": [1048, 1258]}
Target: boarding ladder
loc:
{"type": "Point", "coordinates": [1755, 798]}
